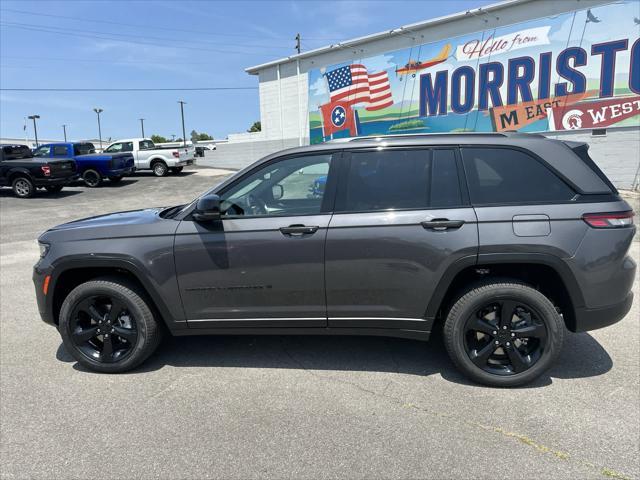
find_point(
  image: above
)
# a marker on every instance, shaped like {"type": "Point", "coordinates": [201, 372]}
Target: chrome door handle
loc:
{"type": "Point", "coordinates": [298, 230]}
{"type": "Point", "coordinates": [441, 224]}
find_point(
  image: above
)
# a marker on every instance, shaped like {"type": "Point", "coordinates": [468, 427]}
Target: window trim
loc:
{"type": "Point", "coordinates": [347, 157]}
{"type": "Point", "coordinates": [535, 157]}
{"type": "Point", "coordinates": [328, 199]}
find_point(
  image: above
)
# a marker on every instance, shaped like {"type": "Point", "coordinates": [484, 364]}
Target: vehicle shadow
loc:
{"type": "Point", "coordinates": [41, 194]}
{"type": "Point", "coordinates": [149, 173]}
{"type": "Point", "coordinates": [582, 355]}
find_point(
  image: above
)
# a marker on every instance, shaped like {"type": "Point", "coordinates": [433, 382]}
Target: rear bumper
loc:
{"type": "Point", "coordinates": [46, 182]}
{"type": "Point", "coordinates": [183, 163]}
{"type": "Point", "coordinates": [594, 318]}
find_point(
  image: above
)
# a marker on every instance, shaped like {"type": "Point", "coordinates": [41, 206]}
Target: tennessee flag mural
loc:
{"type": "Point", "coordinates": [337, 116]}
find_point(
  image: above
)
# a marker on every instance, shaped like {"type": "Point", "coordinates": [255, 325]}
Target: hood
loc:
{"type": "Point", "coordinates": [132, 223]}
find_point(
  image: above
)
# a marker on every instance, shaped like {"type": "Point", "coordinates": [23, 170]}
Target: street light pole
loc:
{"type": "Point", "coordinates": [98, 111]}
{"type": "Point", "coordinates": [35, 129]}
{"type": "Point", "coordinates": [142, 126]}
{"type": "Point", "coordinates": [184, 133]}
{"type": "Point", "coordinates": [64, 129]}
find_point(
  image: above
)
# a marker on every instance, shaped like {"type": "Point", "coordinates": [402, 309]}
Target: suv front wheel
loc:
{"type": "Point", "coordinates": [503, 333]}
{"type": "Point", "coordinates": [107, 326]}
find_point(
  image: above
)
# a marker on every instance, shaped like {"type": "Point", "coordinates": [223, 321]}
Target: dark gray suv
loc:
{"type": "Point", "coordinates": [503, 240]}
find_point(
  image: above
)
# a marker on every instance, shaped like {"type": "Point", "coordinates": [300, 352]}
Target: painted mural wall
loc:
{"type": "Point", "coordinates": [577, 70]}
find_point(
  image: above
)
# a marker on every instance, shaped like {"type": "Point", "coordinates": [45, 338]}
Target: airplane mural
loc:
{"type": "Point", "coordinates": [413, 67]}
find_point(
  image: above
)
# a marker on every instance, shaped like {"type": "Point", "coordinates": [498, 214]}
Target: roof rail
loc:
{"type": "Point", "coordinates": [431, 135]}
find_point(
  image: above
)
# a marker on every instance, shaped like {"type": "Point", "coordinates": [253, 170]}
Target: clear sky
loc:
{"type": "Point", "coordinates": [166, 44]}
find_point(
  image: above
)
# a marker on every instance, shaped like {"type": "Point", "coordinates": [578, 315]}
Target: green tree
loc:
{"type": "Point", "coordinates": [198, 137]}
{"type": "Point", "coordinates": [256, 127]}
{"type": "Point", "coordinates": [158, 139]}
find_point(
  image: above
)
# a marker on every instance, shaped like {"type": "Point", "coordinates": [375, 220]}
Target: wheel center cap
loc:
{"type": "Point", "coordinates": [503, 335]}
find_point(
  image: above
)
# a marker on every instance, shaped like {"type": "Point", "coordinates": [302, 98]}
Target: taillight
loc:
{"type": "Point", "coordinates": [46, 169]}
{"type": "Point", "coordinates": [176, 154]}
{"type": "Point", "coordinates": [609, 220]}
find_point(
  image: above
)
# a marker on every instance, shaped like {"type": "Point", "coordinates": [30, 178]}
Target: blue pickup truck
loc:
{"type": "Point", "coordinates": [93, 167]}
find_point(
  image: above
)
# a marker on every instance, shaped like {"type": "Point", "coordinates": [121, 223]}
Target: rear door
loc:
{"type": "Point", "coordinates": [401, 220]}
{"type": "Point", "coordinates": [523, 207]}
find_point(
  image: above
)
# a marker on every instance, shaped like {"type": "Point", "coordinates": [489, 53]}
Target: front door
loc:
{"type": "Point", "coordinates": [262, 264]}
{"type": "Point", "coordinates": [401, 220]}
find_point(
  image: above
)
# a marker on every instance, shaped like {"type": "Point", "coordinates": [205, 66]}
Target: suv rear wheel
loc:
{"type": "Point", "coordinates": [503, 333]}
{"type": "Point", "coordinates": [107, 326]}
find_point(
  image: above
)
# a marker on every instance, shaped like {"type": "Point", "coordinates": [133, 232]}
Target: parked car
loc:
{"type": "Point", "coordinates": [200, 149]}
{"type": "Point", "coordinates": [503, 240]}
{"type": "Point", "coordinates": [93, 167]}
{"type": "Point", "coordinates": [25, 174]}
{"type": "Point", "coordinates": [149, 157]}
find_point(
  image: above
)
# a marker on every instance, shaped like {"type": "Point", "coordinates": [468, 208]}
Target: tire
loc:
{"type": "Point", "coordinates": [494, 349]}
{"type": "Point", "coordinates": [159, 168]}
{"type": "Point", "coordinates": [176, 169]}
{"type": "Point", "coordinates": [23, 187]}
{"type": "Point", "coordinates": [133, 319]}
{"type": "Point", "coordinates": [54, 188]}
{"type": "Point", "coordinates": [92, 178]}
{"type": "Point", "coordinates": [115, 179]}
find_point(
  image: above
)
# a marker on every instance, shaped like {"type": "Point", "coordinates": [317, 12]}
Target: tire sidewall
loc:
{"type": "Point", "coordinates": [28, 183]}
{"type": "Point", "coordinates": [159, 169]}
{"type": "Point", "coordinates": [476, 299]}
{"type": "Point", "coordinates": [94, 176]}
{"type": "Point", "coordinates": [140, 312]}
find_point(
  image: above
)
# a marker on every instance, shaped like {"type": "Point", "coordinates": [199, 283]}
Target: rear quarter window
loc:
{"type": "Point", "coordinates": [505, 175]}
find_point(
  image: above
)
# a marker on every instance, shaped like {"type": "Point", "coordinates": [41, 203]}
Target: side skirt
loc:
{"type": "Point", "coordinates": [382, 332]}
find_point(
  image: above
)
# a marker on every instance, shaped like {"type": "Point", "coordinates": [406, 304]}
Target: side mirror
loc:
{"type": "Point", "coordinates": [277, 191]}
{"type": "Point", "coordinates": [207, 208]}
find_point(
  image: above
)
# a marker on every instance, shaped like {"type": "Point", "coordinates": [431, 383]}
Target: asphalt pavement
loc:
{"type": "Point", "coordinates": [291, 407]}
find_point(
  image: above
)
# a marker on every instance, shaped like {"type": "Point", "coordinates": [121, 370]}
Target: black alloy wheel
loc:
{"type": "Point", "coordinates": [103, 328]}
{"type": "Point", "coordinates": [505, 337]}
{"type": "Point", "coordinates": [92, 178]}
{"type": "Point", "coordinates": [503, 333]}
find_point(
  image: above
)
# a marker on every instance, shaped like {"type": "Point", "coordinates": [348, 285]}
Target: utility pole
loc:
{"type": "Point", "coordinates": [35, 129]}
{"type": "Point", "coordinates": [298, 42]}
{"type": "Point", "coordinates": [184, 133]}
{"type": "Point", "coordinates": [142, 126]}
{"type": "Point", "coordinates": [98, 111]}
{"type": "Point", "coordinates": [64, 129]}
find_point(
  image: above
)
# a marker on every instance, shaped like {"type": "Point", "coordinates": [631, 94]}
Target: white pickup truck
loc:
{"type": "Point", "coordinates": [160, 160]}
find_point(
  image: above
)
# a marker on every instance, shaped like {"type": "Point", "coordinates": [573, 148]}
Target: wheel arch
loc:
{"type": "Point", "coordinates": [72, 273]}
{"type": "Point", "coordinates": [546, 273]}
{"type": "Point", "coordinates": [19, 172]}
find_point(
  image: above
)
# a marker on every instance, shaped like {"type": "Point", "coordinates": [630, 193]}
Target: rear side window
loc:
{"type": "Point", "coordinates": [401, 179]}
{"type": "Point", "coordinates": [504, 175]}
{"type": "Point", "coordinates": [84, 148]}
{"type": "Point", "coordinates": [147, 145]}
{"type": "Point", "coordinates": [60, 151]}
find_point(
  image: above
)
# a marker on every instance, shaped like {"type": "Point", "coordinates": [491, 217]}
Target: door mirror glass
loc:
{"type": "Point", "coordinates": [277, 191]}
{"type": "Point", "coordinates": [207, 208]}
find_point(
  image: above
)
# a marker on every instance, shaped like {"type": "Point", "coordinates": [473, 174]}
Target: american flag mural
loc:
{"type": "Point", "coordinates": [354, 84]}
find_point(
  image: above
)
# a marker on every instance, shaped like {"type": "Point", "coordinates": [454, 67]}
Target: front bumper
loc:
{"type": "Point", "coordinates": [594, 318]}
{"type": "Point", "coordinates": [44, 307]}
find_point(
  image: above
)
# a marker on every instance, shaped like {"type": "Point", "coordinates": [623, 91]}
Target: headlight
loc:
{"type": "Point", "coordinates": [44, 249]}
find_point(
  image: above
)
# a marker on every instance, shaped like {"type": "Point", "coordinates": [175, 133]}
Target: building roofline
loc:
{"type": "Point", "coordinates": [388, 33]}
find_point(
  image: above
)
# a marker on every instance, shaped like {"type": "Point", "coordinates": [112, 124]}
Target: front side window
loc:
{"type": "Point", "coordinates": [44, 151]}
{"type": "Point", "coordinates": [505, 175]}
{"type": "Point", "coordinates": [401, 179]}
{"type": "Point", "coordinates": [293, 186]}
{"type": "Point", "coordinates": [115, 148]}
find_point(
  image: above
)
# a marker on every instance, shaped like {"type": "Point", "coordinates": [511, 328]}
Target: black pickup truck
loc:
{"type": "Point", "coordinates": [24, 173]}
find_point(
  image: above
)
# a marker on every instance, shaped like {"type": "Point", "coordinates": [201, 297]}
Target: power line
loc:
{"type": "Point", "coordinates": [171, 27]}
{"type": "Point", "coordinates": [55, 32]}
{"type": "Point", "coordinates": [30, 58]}
{"type": "Point", "coordinates": [120, 34]}
{"type": "Point", "coordinates": [124, 89]}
